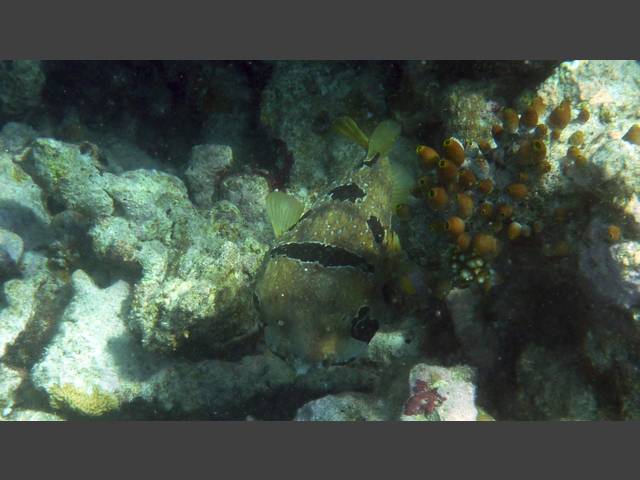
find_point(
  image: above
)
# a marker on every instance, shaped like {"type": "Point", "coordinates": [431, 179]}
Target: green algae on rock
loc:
{"type": "Point", "coordinates": [92, 404]}
{"type": "Point", "coordinates": [70, 176]}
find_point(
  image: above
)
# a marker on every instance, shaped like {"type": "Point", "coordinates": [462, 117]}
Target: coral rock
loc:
{"type": "Point", "coordinates": [207, 166]}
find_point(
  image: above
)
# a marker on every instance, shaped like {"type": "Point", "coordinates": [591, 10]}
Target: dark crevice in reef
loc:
{"type": "Point", "coordinates": [349, 192]}
{"type": "Point", "coordinates": [28, 397]}
{"type": "Point", "coordinates": [3, 297]}
{"type": "Point", "coordinates": [174, 101]}
{"type": "Point", "coordinates": [316, 383]}
{"type": "Point", "coordinates": [441, 344]}
{"type": "Point", "coordinates": [514, 75]}
{"type": "Point", "coordinates": [325, 255]}
{"type": "Point", "coordinates": [28, 348]}
{"type": "Point", "coordinates": [555, 317]}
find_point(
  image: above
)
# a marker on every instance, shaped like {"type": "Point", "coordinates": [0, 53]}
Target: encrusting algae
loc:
{"type": "Point", "coordinates": [94, 404]}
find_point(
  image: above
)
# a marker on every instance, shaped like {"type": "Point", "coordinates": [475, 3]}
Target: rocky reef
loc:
{"type": "Point", "coordinates": [300, 104]}
{"type": "Point", "coordinates": [21, 85]}
{"type": "Point", "coordinates": [481, 264]}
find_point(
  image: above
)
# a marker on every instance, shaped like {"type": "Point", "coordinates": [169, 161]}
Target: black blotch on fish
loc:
{"type": "Point", "coordinates": [350, 192]}
{"type": "Point", "coordinates": [325, 255]}
{"type": "Point", "coordinates": [376, 228]}
{"type": "Point", "coordinates": [372, 161]}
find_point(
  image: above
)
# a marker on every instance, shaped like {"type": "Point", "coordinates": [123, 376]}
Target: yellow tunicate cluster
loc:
{"type": "Point", "coordinates": [478, 213]}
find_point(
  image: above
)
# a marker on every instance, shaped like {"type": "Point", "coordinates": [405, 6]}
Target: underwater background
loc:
{"type": "Point", "coordinates": [280, 240]}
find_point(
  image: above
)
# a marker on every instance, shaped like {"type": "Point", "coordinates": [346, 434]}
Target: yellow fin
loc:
{"type": "Point", "coordinates": [347, 127]}
{"type": "Point", "coordinates": [383, 138]}
{"type": "Point", "coordinates": [392, 242]}
{"type": "Point", "coordinates": [283, 211]}
{"type": "Point", "coordinates": [401, 185]}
